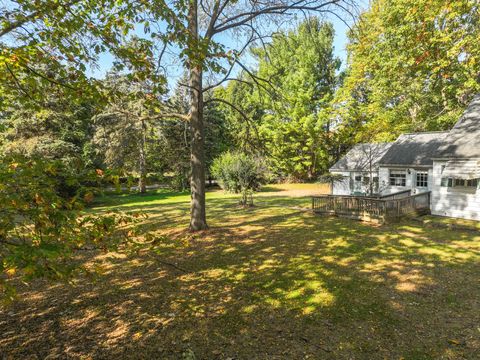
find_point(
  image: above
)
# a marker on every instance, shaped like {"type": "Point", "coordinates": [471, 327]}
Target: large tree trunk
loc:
{"type": "Point", "coordinates": [198, 218]}
{"type": "Point", "coordinates": [142, 180]}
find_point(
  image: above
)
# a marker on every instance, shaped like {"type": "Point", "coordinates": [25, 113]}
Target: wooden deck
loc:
{"type": "Point", "coordinates": [381, 209]}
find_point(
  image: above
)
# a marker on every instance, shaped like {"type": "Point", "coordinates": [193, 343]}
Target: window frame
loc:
{"type": "Point", "coordinates": [424, 182]}
{"type": "Point", "coordinates": [459, 183]}
{"type": "Point", "coordinates": [397, 177]}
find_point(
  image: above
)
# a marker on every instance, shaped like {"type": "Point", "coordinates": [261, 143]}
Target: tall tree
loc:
{"type": "Point", "coordinates": [60, 131]}
{"type": "Point", "coordinates": [125, 122]}
{"type": "Point", "coordinates": [413, 65]}
{"type": "Point", "coordinates": [244, 118]}
{"type": "Point", "coordinates": [175, 137]}
{"type": "Point", "coordinates": [193, 27]}
{"type": "Point", "coordinates": [297, 126]}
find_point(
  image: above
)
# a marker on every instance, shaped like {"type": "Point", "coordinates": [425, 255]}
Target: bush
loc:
{"type": "Point", "coordinates": [239, 173]}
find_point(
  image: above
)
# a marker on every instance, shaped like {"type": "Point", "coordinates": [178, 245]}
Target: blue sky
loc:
{"type": "Point", "coordinates": [340, 43]}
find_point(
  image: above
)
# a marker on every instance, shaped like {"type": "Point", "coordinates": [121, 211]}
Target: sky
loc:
{"type": "Point", "coordinates": [340, 43]}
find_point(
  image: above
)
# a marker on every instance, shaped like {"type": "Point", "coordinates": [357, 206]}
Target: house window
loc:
{"type": "Point", "coordinates": [466, 183]}
{"type": "Point", "coordinates": [422, 179]}
{"type": "Point", "coordinates": [398, 178]}
{"type": "Point", "coordinates": [449, 182]}
{"type": "Point", "coordinates": [472, 183]}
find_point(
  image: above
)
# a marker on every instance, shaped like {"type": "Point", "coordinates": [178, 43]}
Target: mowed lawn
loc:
{"type": "Point", "coordinates": [269, 282]}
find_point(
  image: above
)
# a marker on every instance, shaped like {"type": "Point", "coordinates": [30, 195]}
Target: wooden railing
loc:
{"type": "Point", "coordinates": [396, 195]}
{"type": "Point", "coordinates": [365, 208]}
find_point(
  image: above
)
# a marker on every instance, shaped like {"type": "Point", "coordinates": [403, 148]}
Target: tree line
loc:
{"type": "Point", "coordinates": [412, 65]}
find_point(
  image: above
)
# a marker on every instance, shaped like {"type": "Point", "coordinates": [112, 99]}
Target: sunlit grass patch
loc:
{"type": "Point", "coordinates": [272, 281]}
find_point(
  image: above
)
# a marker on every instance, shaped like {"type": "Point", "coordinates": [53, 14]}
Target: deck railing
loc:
{"type": "Point", "coordinates": [397, 195]}
{"type": "Point", "coordinates": [367, 208]}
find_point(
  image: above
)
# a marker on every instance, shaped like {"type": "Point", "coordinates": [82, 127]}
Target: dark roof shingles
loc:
{"type": "Point", "coordinates": [360, 157]}
{"type": "Point", "coordinates": [414, 149]}
{"type": "Point", "coordinates": [463, 141]}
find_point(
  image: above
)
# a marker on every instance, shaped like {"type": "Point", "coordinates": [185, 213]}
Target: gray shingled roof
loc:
{"type": "Point", "coordinates": [464, 139]}
{"type": "Point", "coordinates": [360, 157]}
{"type": "Point", "coordinates": [416, 149]}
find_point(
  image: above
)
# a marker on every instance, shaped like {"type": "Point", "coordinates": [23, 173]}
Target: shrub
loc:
{"type": "Point", "coordinates": [239, 173]}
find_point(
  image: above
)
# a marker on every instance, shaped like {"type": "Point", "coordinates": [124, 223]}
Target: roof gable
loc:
{"type": "Point", "coordinates": [463, 141]}
{"type": "Point", "coordinates": [362, 157]}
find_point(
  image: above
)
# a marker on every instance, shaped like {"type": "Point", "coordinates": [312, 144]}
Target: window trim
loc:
{"type": "Point", "coordinates": [397, 177]}
{"type": "Point", "coordinates": [450, 182]}
{"type": "Point", "coordinates": [424, 181]}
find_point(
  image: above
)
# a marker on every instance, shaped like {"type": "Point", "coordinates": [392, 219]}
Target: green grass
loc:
{"type": "Point", "coordinates": [269, 282]}
{"type": "Point", "coordinates": [452, 222]}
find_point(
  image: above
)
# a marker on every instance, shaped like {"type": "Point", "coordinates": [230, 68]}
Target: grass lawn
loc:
{"type": "Point", "coordinates": [270, 282]}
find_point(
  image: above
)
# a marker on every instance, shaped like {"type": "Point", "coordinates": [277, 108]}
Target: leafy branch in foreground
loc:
{"type": "Point", "coordinates": [42, 225]}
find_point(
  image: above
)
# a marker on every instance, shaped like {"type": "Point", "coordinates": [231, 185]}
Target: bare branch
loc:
{"type": "Point", "coordinates": [238, 110]}
{"type": "Point", "coordinates": [19, 85]}
{"type": "Point", "coordinates": [245, 17]}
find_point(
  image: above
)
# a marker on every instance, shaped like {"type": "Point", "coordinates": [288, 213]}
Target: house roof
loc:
{"type": "Point", "coordinates": [419, 149]}
{"type": "Point", "coordinates": [463, 140]}
{"type": "Point", "coordinates": [415, 149]}
{"type": "Point", "coordinates": [361, 157]}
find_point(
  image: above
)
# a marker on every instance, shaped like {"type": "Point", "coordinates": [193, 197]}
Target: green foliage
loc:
{"type": "Point", "coordinates": [42, 227]}
{"type": "Point", "coordinates": [301, 66]}
{"type": "Point", "coordinates": [413, 66]}
{"type": "Point", "coordinates": [50, 43]}
{"type": "Point", "coordinates": [60, 131]}
{"type": "Point", "coordinates": [242, 128]}
{"type": "Point", "coordinates": [173, 139]}
{"type": "Point", "coordinates": [288, 118]}
{"type": "Point", "coordinates": [239, 173]}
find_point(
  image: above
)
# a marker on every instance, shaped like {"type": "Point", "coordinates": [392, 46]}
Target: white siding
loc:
{"type": "Point", "coordinates": [386, 188]}
{"type": "Point", "coordinates": [342, 187]}
{"type": "Point", "coordinates": [453, 202]}
{"type": "Point", "coordinates": [347, 185]}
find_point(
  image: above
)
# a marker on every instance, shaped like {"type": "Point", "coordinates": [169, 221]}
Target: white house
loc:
{"type": "Point", "coordinates": [456, 168]}
{"type": "Point", "coordinates": [445, 163]}
{"type": "Point", "coordinates": [358, 170]}
{"type": "Point", "coordinates": [408, 163]}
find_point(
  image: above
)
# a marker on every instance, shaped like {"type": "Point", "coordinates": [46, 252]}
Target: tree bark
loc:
{"type": "Point", "coordinates": [198, 218]}
{"type": "Point", "coordinates": [142, 183]}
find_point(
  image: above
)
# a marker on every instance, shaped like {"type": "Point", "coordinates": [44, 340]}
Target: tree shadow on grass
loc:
{"type": "Point", "coordinates": [267, 282]}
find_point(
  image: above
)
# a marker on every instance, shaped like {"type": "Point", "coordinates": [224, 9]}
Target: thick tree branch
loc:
{"type": "Point", "coordinates": [17, 82]}
{"type": "Point", "coordinates": [33, 71]}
